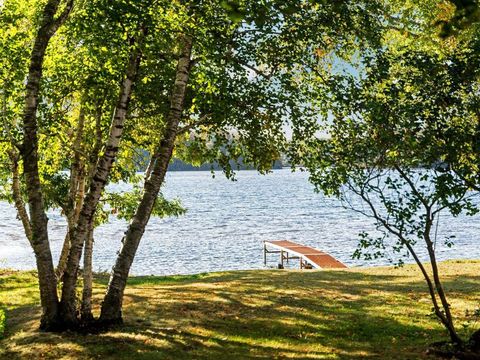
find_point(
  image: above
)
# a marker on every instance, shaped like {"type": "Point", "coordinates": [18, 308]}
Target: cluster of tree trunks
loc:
{"type": "Point", "coordinates": [80, 233]}
{"type": "Point", "coordinates": [64, 312]}
{"type": "Point", "coordinates": [112, 304]}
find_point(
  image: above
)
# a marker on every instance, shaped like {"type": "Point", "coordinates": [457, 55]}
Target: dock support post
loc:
{"type": "Point", "coordinates": [264, 254]}
{"type": "Point", "coordinates": [281, 258]}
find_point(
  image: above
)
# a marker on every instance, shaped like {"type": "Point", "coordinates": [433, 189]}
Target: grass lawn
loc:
{"type": "Point", "coordinates": [373, 313]}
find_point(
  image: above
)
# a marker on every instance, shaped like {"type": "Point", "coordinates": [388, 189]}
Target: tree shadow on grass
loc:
{"type": "Point", "coordinates": [224, 339]}
{"type": "Point", "coordinates": [300, 315]}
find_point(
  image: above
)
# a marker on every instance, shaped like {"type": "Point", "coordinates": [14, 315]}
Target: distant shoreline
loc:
{"type": "Point", "coordinates": [179, 165]}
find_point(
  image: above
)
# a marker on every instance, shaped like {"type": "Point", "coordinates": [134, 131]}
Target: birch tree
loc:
{"type": "Point", "coordinates": [52, 17]}
{"type": "Point", "coordinates": [401, 149]}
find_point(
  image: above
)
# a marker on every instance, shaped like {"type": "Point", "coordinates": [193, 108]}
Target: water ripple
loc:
{"type": "Point", "coordinates": [225, 225]}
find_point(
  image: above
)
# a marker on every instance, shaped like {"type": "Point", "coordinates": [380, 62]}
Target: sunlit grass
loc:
{"type": "Point", "coordinates": [381, 313]}
{"type": "Point", "coordinates": [2, 322]}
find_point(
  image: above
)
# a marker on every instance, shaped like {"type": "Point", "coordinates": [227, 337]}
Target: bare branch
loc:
{"type": "Point", "coordinates": [203, 120]}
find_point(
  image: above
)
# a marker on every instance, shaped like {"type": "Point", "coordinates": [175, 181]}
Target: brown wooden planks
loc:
{"type": "Point", "coordinates": [282, 243]}
{"type": "Point", "coordinates": [314, 256]}
{"type": "Point", "coordinates": [325, 261]}
{"type": "Point", "coordinates": [305, 250]}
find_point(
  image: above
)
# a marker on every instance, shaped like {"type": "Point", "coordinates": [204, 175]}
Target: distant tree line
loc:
{"type": "Point", "coordinates": [179, 165]}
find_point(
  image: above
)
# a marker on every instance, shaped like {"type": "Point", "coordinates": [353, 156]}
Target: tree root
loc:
{"type": "Point", "coordinates": [447, 350]}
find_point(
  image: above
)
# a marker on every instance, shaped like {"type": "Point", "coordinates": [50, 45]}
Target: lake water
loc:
{"type": "Point", "coordinates": [225, 225]}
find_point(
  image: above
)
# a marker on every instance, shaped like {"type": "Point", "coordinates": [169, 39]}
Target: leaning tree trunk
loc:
{"type": "Point", "coordinates": [29, 150]}
{"type": "Point", "coordinates": [86, 309]}
{"type": "Point", "coordinates": [111, 311]}
{"type": "Point", "coordinates": [68, 304]}
{"type": "Point", "coordinates": [75, 193]}
{"type": "Point", "coordinates": [17, 195]}
{"type": "Point", "coordinates": [441, 293]}
{"type": "Point", "coordinates": [446, 321]}
{"type": "Point", "coordinates": [62, 260]}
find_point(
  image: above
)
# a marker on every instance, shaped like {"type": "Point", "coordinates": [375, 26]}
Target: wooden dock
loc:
{"type": "Point", "coordinates": [309, 257]}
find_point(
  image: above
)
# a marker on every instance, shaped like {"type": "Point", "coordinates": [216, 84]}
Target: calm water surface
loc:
{"type": "Point", "coordinates": [225, 225]}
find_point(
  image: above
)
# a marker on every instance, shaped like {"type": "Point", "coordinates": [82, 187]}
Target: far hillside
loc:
{"type": "Point", "coordinates": [179, 165]}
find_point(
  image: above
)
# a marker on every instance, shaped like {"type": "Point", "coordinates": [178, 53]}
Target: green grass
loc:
{"type": "Point", "coordinates": [374, 313]}
{"type": "Point", "coordinates": [2, 322]}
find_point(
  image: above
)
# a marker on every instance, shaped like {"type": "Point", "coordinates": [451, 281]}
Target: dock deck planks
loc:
{"type": "Point", "coordinates": [306, 254]}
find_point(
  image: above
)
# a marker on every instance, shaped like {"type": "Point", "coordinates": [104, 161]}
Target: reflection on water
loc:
{"type": "Point", "coordinates": [225, 225]}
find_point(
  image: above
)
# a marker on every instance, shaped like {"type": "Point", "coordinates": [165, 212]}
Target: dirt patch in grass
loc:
{"type": "Point", "coordinates": [7, 272]}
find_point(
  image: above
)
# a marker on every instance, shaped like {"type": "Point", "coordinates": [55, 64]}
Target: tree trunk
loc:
{"type": "Point", "coordinates": [97, 147]}
{"type": "Point", "coordinates": [111, 311]}
{"type": "Point", "coordinates": [62, 261]}
{"type": "Point", "coordinates": [433, 295]}
{"type": "Point", "coordinates": [29, 151]}
{"type": "Point", "coordinates": [150, 167]}
{"type": "Point", "coordinates": [474, 341]}
{"type": "Point", "coordinates": [68, 306]}
{"type": "Point", "coordinates": [86, 310]}
{"type": "Point", "coordinates": [75, 193]}
{"type": "Point", "coordinates": [448, 322]}
{"type": "Point", "coordinates": [17, 195]}
{"type": "Point", "coordinates": [445, 317]}
{"type": "Point", "coordinates": [72, 219]}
